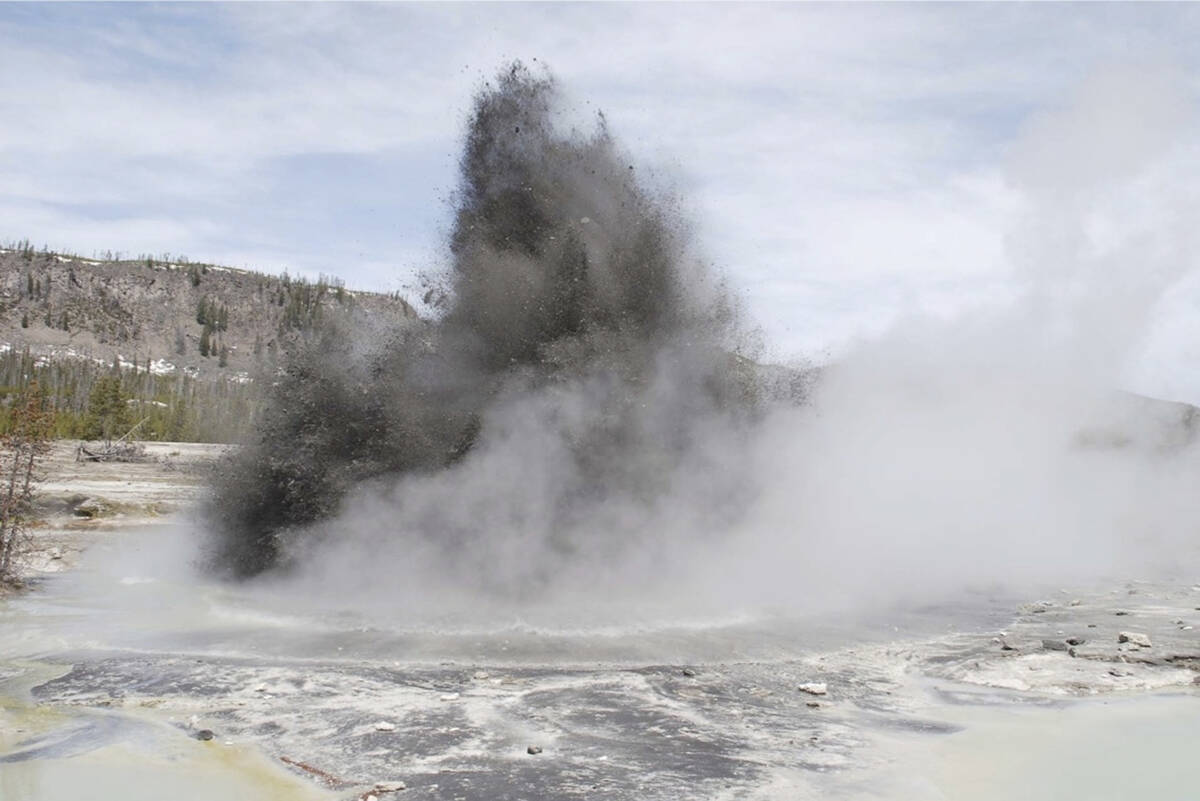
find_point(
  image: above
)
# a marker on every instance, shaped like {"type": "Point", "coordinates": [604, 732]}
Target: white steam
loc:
{"type": "Point", "coordinates": [991, 450]}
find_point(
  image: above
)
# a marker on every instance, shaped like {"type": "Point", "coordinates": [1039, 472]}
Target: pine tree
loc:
{"type": "Point", "coordinates": [205, 341]}
{"type": "Point", "coordinates": [23, 448]}
{"type": "Point", "coordinates": [202, 311]}
{"type": "Point", "coordinates": [107, 412]}
{"type": "Point", "coordinates": [177, 427]}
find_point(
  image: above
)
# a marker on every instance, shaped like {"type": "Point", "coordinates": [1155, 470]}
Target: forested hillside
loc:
{"type": "Point", "coordinates": [182, 348]}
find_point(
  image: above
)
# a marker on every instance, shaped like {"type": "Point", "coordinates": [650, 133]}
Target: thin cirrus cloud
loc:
{"type": "Point", "coordinates": [843, 164]}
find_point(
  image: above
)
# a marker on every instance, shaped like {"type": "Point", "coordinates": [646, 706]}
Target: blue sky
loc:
{"type": "Point", "coordinates": [843, 164]}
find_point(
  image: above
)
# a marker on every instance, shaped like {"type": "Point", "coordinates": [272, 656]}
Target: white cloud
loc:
{"type": "Point", "coordinates": [843, 163]}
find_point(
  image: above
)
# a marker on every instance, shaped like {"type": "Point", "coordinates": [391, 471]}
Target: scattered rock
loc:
{"type": "Point", "coordinates": [89, 507]}
{"type": "Point", "coordinates": [383, 725]}
{"type": "Point", "coordinates": [1120, 613]}
{"type": "Point", "coordinates": [1075, 602]}
{"type": "Point", "coordinates": [1185, 628]}
{"type": "Point", "coordinates": [1004, 645]}
{"type": "Point", "coordinates": [533, 750]}
{"type": "Point", "coordinates": [1119, 672]}
{"type": "Point", "coordinates": [390, 787]}
{"type": "Point", "coordinates": [1054, 645]}
{"type": "Point", "coordinates": [481, 675]}
{"type": "Point", "coordinates": [689, 672]}
{"type": "Point", "coordinates": [812, 704]}
{"type": "Point", "coordinates": [1134, 638]}
{"type": "Point", "coordinates": [1196, 679]}
{"type": "Point", "coordinates": [204, 734]}
{"type": "Point", "coordinates": [55, 553]}
{"type": "Point", "coordinates": [1091, 625]}
{"type": "Point", "coordinates": [814, 688]}
{"type": "Point", "coordinates": [1075, 641]}
{"type": "Point", "coordinates": [450, 697]}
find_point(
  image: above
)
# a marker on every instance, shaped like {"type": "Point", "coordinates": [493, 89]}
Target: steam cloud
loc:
{"type": "Point", "coordinates": [581, 422]}
{"type": "Point", "coordinates": [581, 350]}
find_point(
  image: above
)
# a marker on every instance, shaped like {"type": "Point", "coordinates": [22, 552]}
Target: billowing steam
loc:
{"type": "Point", "coordinates": [581, 423]}
{"type": "Point", "coordinates": [581, 350]}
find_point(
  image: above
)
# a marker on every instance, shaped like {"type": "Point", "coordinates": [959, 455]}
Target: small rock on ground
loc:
{"type": "Point", "coordinates": [814, 688]}
{"type": "Point", "coordinates": [1134, 638]}
{"type": "Point", "coordinates": [390, 787]}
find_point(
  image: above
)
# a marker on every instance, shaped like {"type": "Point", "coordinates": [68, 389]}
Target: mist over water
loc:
{"type": "Point", "coordinates": [580, 435]}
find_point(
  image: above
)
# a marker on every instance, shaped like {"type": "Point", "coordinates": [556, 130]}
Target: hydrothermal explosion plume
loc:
{"type": "Point", "coordinates": [580, 425]}
{"type": "Point", "coordinates": [580, 347]}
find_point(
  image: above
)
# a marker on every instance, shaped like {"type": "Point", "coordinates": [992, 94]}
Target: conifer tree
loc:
{"type": "Point", "coordinates": [21, 451]}
{"type": "Point", "coordinates": [107, 412]}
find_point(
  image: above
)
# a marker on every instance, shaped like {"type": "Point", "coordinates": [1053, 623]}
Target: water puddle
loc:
{"type": "Point", "coordinates": [55, 754]}
{"type": "Point", "coordinates": [1111, 749]}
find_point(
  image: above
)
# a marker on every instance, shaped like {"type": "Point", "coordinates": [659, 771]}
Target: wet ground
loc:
{"type": "Point", "coordinates": [113, 669]}
{"type": "Point", "coordinates": [125, 675]}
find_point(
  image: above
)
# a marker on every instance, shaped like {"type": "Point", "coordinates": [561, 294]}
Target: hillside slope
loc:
{"type": "Point", "coordinates": [148, 310]}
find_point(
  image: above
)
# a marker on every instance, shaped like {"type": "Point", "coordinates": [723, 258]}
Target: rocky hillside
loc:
{"type": "Point", "coordinates": [201, 319]}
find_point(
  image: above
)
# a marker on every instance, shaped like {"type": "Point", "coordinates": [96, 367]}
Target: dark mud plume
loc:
{"type": "Point", "coordinates": [577, 338]}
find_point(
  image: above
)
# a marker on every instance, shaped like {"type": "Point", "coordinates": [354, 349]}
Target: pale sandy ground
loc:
{"type": "Point", "coordinates": [128, 494]}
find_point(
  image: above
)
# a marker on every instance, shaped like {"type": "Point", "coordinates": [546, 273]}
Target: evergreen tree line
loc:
{"type": "Point", "coordinates": [95, 401]}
